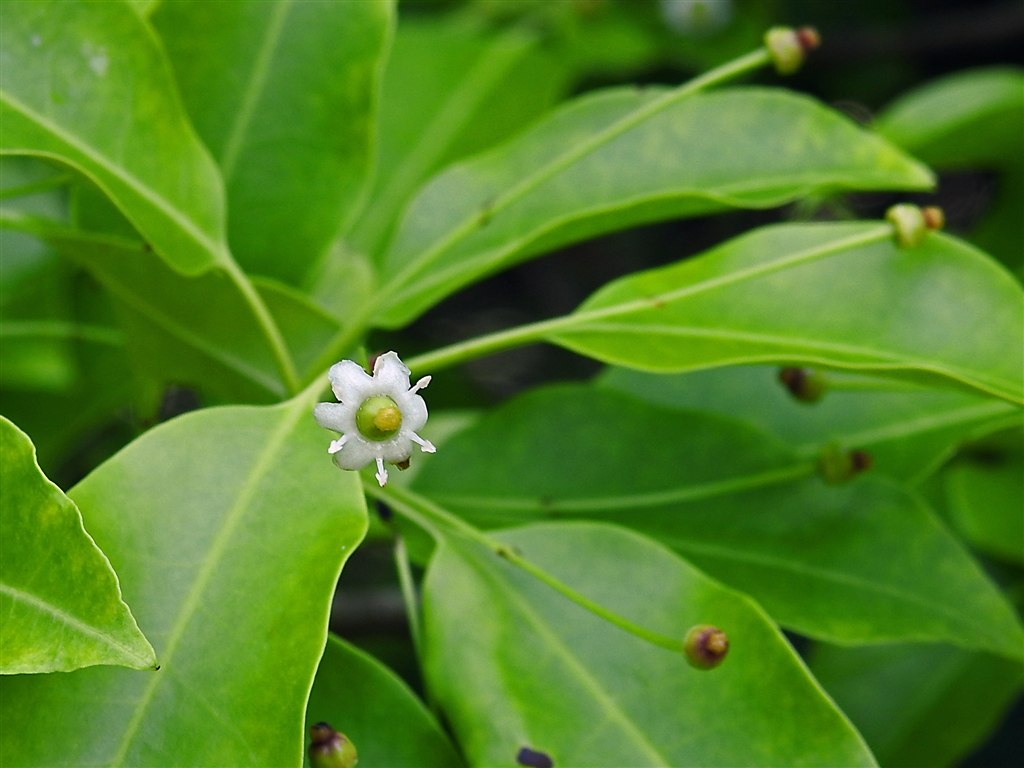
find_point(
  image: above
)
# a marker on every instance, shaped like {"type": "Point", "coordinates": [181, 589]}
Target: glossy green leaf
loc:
{"type": "Point", "coordinates": [58, 327]}
{"type": "Point", "coordinates": [705, 153]}
{"type": "Point", "coordinates": [34, 285]}
{"type": "Point", "coordinates": [59, 598]}
{"type": "Point", "coordinates": [144, 7]}
{"type": "Point", "coordinates": [909, 431]}
{"type": "Point", "coordinates": [985, 503]}
{"type": "Point", "coordinates": [284, 95]}
{"type": "Point", "coordinates": [452, 87]}
{"type": "Point", "coordinates": [89, 86]}
{"type": "Point", "coordinates": [972, 119]}
{"type": "Point", "coordinates": [828, 295]}
{"type": "Point", "coordinates": [387, 723]}
{"type": "Point", "coordinates": [228, 528]}
{"type": "Point", "coordinates": [968, 119]}
{"type": "Point", "coordinates": [513, 663]}
{"type": "Point", "coordinates": [200, 330]}
{"type": "Point", "coordinates": [854, 563]}
{"type": "Point", "coordinates": [919, 705]}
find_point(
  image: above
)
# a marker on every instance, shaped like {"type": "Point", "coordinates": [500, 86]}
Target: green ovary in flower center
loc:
{"type": "Point", "coordinates": [378, 418]}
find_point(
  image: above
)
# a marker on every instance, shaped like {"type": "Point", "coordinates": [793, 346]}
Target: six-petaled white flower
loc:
{"type": "Point", "coordinates": [378, 415]}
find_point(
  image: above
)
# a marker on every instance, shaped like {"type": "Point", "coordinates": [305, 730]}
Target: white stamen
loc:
{"type": "Point", "coordinates": [425, 445]}
{"type": "Point", "coordinates": [382, 474]}
{"type": "Point", "coordinates": [336, 445]}
{"type": "Point", "coordinates": [421, 384]}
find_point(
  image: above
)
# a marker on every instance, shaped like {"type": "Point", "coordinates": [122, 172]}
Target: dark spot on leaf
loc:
{"type": "Point", "coordinates": [534, 758]}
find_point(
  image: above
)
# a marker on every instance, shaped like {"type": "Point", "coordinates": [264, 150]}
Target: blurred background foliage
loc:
{"type": "Point", "coordinates": [489, 68]}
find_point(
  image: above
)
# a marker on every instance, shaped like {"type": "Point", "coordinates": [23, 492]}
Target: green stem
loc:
{"type": "Point", "coordinates": [43, 185]}
{"type": "Point", "coordinates": [426, 514]}
{"type": "Point", "coordinates": [474, 221]}
{"type": "Point", "coordinates": [463, 351]}
{"type": "Point", "coordinates": [56, 329]}
{"type": "Point", "coordinates": [282, 357]}
{"type": "Point", "coordinates": [412, 609]}
{"type": "Point", "coordinates": [356, 328]}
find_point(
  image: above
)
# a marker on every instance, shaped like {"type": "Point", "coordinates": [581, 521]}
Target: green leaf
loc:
{"type": "Point", "coordinates": [924, 706]}
{"type": "Point", "coordinates": [515, 664]}
{"type": "Point", "coordinates": [702, 154]}
{"type": "Point", "coordinates": [59, 598]}
{"type": "Point", "coordinates": [972, 119]}
{"type": "Point", "coordinates": [284, 95]}
{"type": "Point", "coordinates": [968, 119]}
{"type": "Point", "coordinates": [144, 7]}
{"type": "Point", "coordinates": [983, 499]}
{"type": "Point", "coordinates": [228, 528]}
{"type": "Point", "coordinates": [87, 84]}
{"type": "Point", "coordinates": [452, 87]}
{"type": "Point", "coordinates": [34, 286]}
{"type": "Point", "coordinates": [852, 564]}
{"type": "Point", "coordinates": [362, 698]}
{"type": "Point", "coordinates": [825, 295]}
{"type": "Point", "coordinates": [909, 431]}
{"type": "Point", "coordinates": [200, 330]}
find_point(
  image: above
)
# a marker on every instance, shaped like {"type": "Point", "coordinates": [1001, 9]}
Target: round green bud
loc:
{"type": "Point", "coordinates": [837, 466]}
{"type": "Point", "coordinates": [330, 749]}
{"type": "Point", "coordinates": [378, 418]}
{"type": "Point", "coordinates": [786, 51]}
{"type": "Point", "coordinates": [805, 385]}
{"type": "Point", "coordinates": [909, 223]}
{"type": "Point", "coordinates": [705, 646]}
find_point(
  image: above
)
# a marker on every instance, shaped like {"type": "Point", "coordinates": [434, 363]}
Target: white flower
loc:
{"type": "Point", "coordinates": [378, 415]}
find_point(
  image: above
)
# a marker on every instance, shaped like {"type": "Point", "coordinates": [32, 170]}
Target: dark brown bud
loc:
{"type": "Point", "coordinates": [705, 646]}
{"type": "Point", "coordinates": [330, 749]}
{"type": "Point", "coordinates": [403, 464]}
{"type": "Point", "coordinates": [533, 758]}
{"type": "Point", "coordinates": [808, 38]}
{"type": "Point", "coordinates": [807, 386]}
{"type": "Point", "coordinates": [837, 466]}
{"type": "Point", "coordinates": [934, 218]}
{"type": "Point", "coordinates": [861, 461]}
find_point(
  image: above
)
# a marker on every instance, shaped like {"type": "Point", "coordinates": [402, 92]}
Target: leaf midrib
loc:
{"type": "Point", "coordinates": [497, 256]}
{"type": "Point", "coordinates": [990, 383]}
{"type": "Point", "coordinates": [845, 579]}
{"type": "Point", "coordinates": [917, 426]}
{"type": "Point", "coordinates": [191, 604]}
{"type": "Point", "coordinates": [437, 136]}
{"type": "Point", "coordinates": [27, 598]}
{"type": "Point", "coordinates": [254, 89]}
{"type": "Point", "coordinates": [176, 215]}
{"type": "Point", "coordinates": [630, 501]}
{"type": "Point", "coordinates": [605, 701]}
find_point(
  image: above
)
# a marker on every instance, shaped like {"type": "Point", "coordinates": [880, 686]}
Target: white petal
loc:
{"type": "Point", "coordinates": [398, 448]}
{"type": "Point", "coordinates": [382, 474]}
{"type": "Point", "coordinates": [332, 416]}
{"type": "Point", "coordinates": [349, 382]}
{"type": "Point", "coordinates": [414, 410]}
{"type": "Point", "coordinates": [390, 376]}
{"type": "Point", "coordinates": [356, 454]}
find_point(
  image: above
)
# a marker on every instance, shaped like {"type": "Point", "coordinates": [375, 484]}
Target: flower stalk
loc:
{"type": "Point", "coordinates": [433, 518]}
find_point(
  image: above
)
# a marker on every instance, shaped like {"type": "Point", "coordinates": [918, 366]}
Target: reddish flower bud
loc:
{"type": "Point", "coordinates": [705, 646]}
{"type": "Point", "coordinates": [330, 749]}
